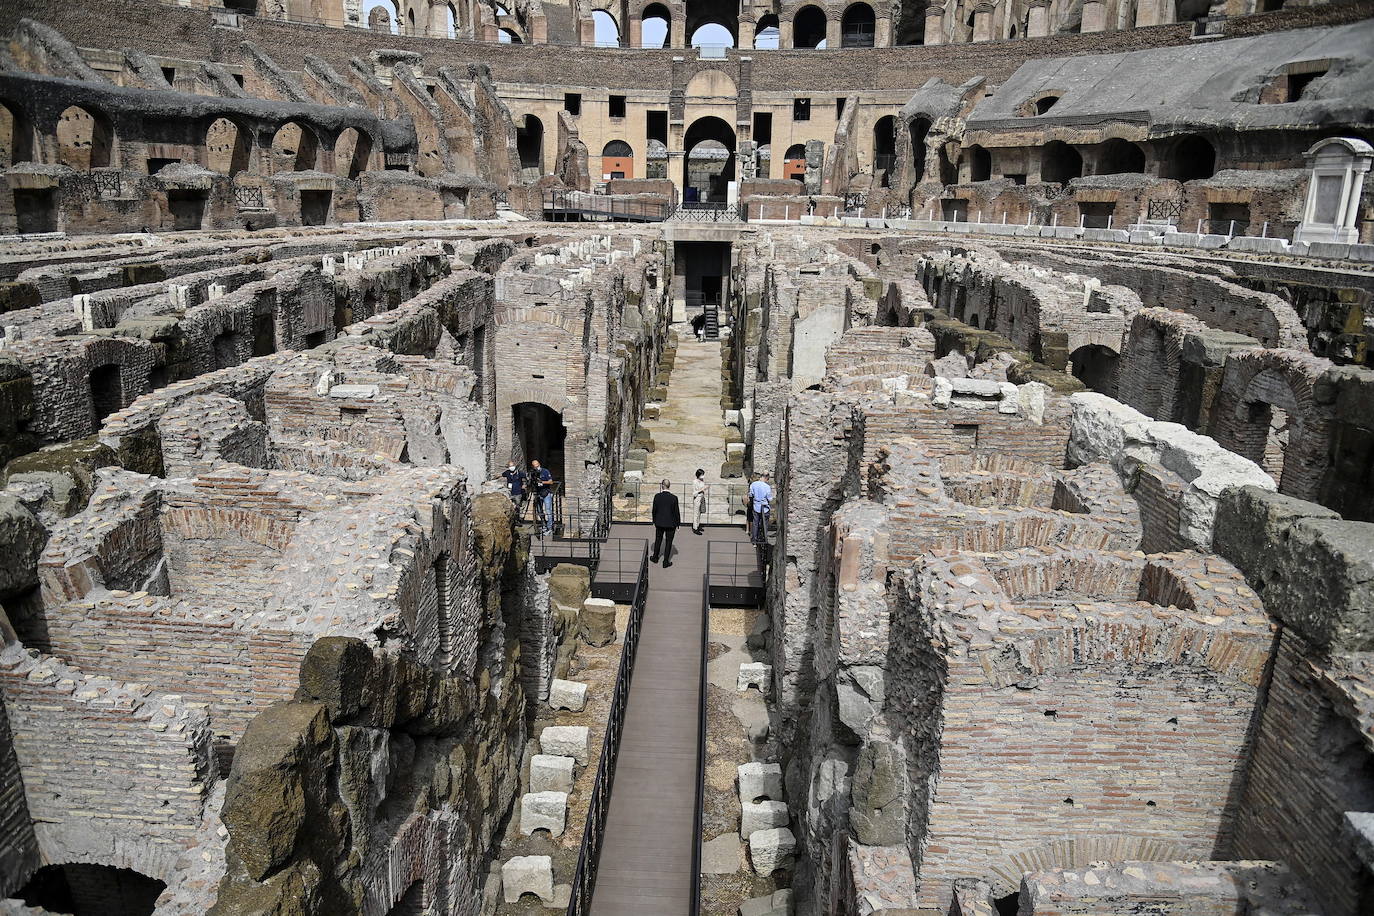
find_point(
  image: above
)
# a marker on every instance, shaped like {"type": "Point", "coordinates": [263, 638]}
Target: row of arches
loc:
{"type": "Point", "coordinates": [86, 139]}
{"type": "Point", "coordinates": [1187, 158]}
{"type": "Point", "coordinates": [709, 27]}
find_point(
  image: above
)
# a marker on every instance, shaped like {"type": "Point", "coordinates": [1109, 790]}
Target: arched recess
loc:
{"type": "Point", "coordinates": [1120, 157]}
{"type": "Point", "coordinates": [655, 26]}
{"type": "Point", "coordinates": [617, 160]}
{"type": "Point", "coordinates": [1189, 159]}
{"type": "Point", "coordinates": [382, 16]}
{"type": "Point", "coordinates": [916, 132]}
{"type": "Point", "coordinates": [979, 164]}
{"type": "Point", "coordinates": [794, 162]}
{"type": "Point", "coordinates": [538, 434]}
{"type": "Point", "coordinates": [1095, 366]}
{"type": "Point", "coordinates": [1270, 414]}
{"type": "Point", "coordinates": [1060, 163]}
{"type": "Point", "coordinates": [712, 35]}
{"type": "Point", "coordinates": [766, 33]}
{"type": "Point", "coordinates": [722, 14]}
{"type": "Point", "coordinates": [858, 26]}
{"type": "Point", "coordinates": [85, 139]}
{"type": "Point", "coordinates": [228, 147]}
{"type": "Point", "coordinates": [910, 27]}
{"type": "Point", "coordinates": [884, 148]}
{"type": "Point", "coordinates": [529, 143]}
{"type": "Point", "coordinates": [605, 29]}
{"type": "Point", "coordinates": [83, 888]}
{"type": "Point", "coordinates": [808, 27]}
{"type": "Point", "coordinates": [700, 131]}
{"type": "Point", "coordinates": [16, 136]}
{"type": "Point", "coordinates": [294, 148]}
{"type": "Point", "coordinates": [451, 27]}
{"type": "Point", "coordinates": [352, 152]}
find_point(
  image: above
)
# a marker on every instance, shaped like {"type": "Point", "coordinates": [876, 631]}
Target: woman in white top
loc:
{"type": "Point", "coordinates": [699, 501]}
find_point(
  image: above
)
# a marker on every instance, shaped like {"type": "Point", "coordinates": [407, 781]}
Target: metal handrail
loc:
{"type": "Point", "coordinates": [726, 503]}
{"type": "Point", "coordinates": [700, 816]}
{"type": "Point", "coordinates": [594, 832]}
{"type": "Point", "coordinates": [609, 207]}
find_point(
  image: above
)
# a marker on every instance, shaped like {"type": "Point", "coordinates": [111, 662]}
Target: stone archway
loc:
{"type": "Point", "coordinates": [705, 129]}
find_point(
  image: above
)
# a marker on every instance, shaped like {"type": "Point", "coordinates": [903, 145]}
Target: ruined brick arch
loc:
{"type": "Point", "coordinates": [118, 373]}
{"type": "Point", "coordinates": [1151, 361]}
{"type": "Point", "coordinates": [353, 149]}
{"type": "Point", "coordinates": [294, 148]}
{"type": "Point", "coordinates": [228, 147]}
{"type": "Point", "coordinates": [552, 317]}
{"type": "Point", "coordinates": [85, 138]}
{"type": "Point", "coordinates": [1256, 385]}
{"type": "Point", "coordinates": [1078, 852]}
{"type": "Point", "coordinates": [16, 134]}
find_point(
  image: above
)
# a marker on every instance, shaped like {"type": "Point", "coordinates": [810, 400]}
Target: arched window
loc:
{"type": "Point", "coordinates": [708, 160]}
{"type": "Point", "coordinates": [410, 18]}
{"type": "Point", "coordinates": [712, 35]}
{"type": "Point", "coordinates": [918, 130]}
{"type": "Point", "coordinates": [606, 32]}
{"type": "Point", "coordinates": [655, 25]}
{"type": "Point", "coordinates": [450, 21]}
{"type": "Point", "coordinates": [884, 147]}
{"type": "Point", "coordinates": [1119, 157]}
{"type": "Point", "coordinates": [1060, 162]}
{"type": "Point", "coordinates": [529, 142]}
{"type": "Point", "coordinates": [507, 37]}
{"type": "Point", "coordinates": [1045, 103]}
{"type": "Point", "coordinates": [85, 140]}
{"type": "Point", "coordinates": [227, 148]}
{"type": "Point", "coordinates": [808, 28]}
{"type": "Point", "coordinates": [16, 136]}
{"type": "Point", "coordinates": [1190, 159]}
{"type": "Point", "coordinates": [656, 156]}
{"type": "Point", "coordinates": [766, 33]}
{"type": "Point", "coordinates": [352, 150]}
{"type": "Point", "coordinates": [979, 164]}
{"type": "Point", "coordinates": [857, 26]}
{"type": "Point", "coordinates": [617, 160]}
{"type": "Point", "coordinates": [794, 162]}
{"type": "Point", "coordinates": [910, 28]}
{"type": "Point", "coordinates": [294, 148]}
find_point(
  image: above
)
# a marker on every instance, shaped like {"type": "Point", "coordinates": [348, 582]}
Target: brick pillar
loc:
{"type": "Point", "coordinates": [1038, 19]}
{"type": "Point", "coordinates": [1094, 16]}
{"type": "Point", "coordinates": [746, 33]}
{"type": "Point", "coordinates": [832, 32]}
{"type": "Point", "coordinates": [636, 36]}
{"type": "Point", "coordinates": [784, 33]}
{"type": "Point", "coordinates": [935, 22]}
{"type": "Point", "coordinates": [882, 33]}
{"type": "Point", "coordinates": [1154, 12]}
{"type": "Point", "coordinates": [677, 31]}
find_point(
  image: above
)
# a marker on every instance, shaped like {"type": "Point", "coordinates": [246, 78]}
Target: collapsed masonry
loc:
{"type": "Point", "coordinates": [273, 641]}
{"type": "Point", "coordinates": [1034, 651]}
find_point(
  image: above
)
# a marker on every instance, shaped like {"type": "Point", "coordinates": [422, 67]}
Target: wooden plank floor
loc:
{"type": "Point", "coordinates": [646, 857]}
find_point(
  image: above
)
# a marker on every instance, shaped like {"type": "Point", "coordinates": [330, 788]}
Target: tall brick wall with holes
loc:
{"type": "Point", "coordinates": [18, 846]}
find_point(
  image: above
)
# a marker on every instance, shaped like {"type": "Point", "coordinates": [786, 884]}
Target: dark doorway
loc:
{"type": "Point", "coordinates": [36, 210]}
{"type": "Point", "coordinates": [107, 392]}
{"type": "Point", "coordinates": [539, 435]}
{"type": "Point", "coordinates": [808, 28]}
{"type": "Point", "coordinates": [705, 269]}
{"type": "Point", "coordinates": [92, 890]}
{"type": "Point", "coordinates": [187, 208]}
{"type": "Point", "coordinates": [1060, 163]}
{"type": "Point", "coordinates": [1095, 366]}
{"type": "Point", "coordinates": [264, 333]}
{"type": "Point", "coordinates": [529, 143]}
{"type": "Point", "coordinates": [315, 207]}
{"type": "Point", "coordinates": [1190, 159]}
{"type": "Point", "coordinates": [708, 160]}
{"type": "Point", "coordinates": [226, 347]}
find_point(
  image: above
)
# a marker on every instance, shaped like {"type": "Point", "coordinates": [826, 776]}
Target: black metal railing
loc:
{"type": "Point", "coordinates": [860, 36]}
{"type": "Point", "coordinates": [564, 205]}
{"type": "Point", "coordinates": [706, 212]}
{"type": "Point", "coordinates": [532, 509]}
{"type": "Point", "coordinates": [736, 573]}
{"type": "Point", "coordinates": [589, 856]}
{"type": "Point", "coordinates": [700, 815]}
{"type": "Point", "coordinates": [726, 503]}
{"type": "Point", "coordinates": [249, 197]}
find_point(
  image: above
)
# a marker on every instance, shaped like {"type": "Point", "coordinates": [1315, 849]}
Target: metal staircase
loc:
{"type": "Point", "coordinates": [712, 321]}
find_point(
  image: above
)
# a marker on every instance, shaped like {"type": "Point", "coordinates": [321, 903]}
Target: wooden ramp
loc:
{"type": "Point", "coordinates": [647, 855]}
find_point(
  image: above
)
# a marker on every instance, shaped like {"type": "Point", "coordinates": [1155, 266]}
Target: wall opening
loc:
{"type": "Point", "coordinates": [708, 162]}
{"type": "Point", "coordinates": [187, 208]}
{"type": "Point", "coordinates": [294, 148]}
{"type": "Point", "coordinates": [1120, 157]}
{"type": "Point", "coordinates": [884, 148]}
{"type": "Point", "coordinates": [1190, 159]}
{"type": "Point", "coordinates": [227, 148]}
{"type": "Point", "coordinates": [529, 143]}
{"type": "Point", "coordinates": [226, 350]}
{"type": "Point", "coordinates": [352, 150]}
{"type": "Point", "coordinates": [857, 26]}
{"type": "Point", "coordinates": [655, 26]}
{"type": "Point", "coordinates": [315, 207]}
{"type": "Point", "coordinates": [1060, 163]}
{"type": "Point", "coordinates": [16, 137]}
{"type": "Point", "coordinates": [35, 210]}
{"type": "Point", "coordinates": [107, 392]}
{"type": "Point", "coordinates": [918, 129]}
{"type": "Point", "coordinates": [539, 436]}
{"type": "Point", "coordinates": [85, 140]}
{"type": "Point", "coordinates": [808, 28]}
{"type": "Point", "coordinates": [92, 890]}
{"type": "Point", "coordinates": [979, 164]}
{"type": "Point", "coordinates": [1095, 366]}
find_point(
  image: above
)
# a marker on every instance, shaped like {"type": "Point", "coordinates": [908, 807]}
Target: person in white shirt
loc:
{"type": "Point", "coordinates": [761, 502]}
{"type": "Point", "coordinates": [699, 501]}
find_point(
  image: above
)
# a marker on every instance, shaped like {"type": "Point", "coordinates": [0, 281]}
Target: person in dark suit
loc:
{"type": "Point", "coordinates": [667, 517]}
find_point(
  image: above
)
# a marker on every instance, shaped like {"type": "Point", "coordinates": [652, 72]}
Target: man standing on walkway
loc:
{"type": "Point", "coordinates": [761, 504]}
{"type": "Point", "coordinates": [666, 519]}
{"type": "Point", "coordinates": [515, 480]}
{"type": "Point", "coordinates": [542, 478]}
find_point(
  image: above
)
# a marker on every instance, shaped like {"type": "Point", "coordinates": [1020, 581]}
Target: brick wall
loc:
{"type": "Point", "coordinates": [18, 846]}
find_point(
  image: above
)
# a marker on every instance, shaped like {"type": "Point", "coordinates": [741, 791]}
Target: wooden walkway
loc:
{"type": "Point", "coordinates": [646, 857]}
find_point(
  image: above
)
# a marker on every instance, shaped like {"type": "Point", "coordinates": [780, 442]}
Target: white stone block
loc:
{"type": "Point", "coordinates": [778, 903]}
{"type": "Point", "coordinates": [771, 849]}
{"type": "Point", "coordinates": [527, 875]}
{"type": "Point", "coordinates": [734, 449]}
{"type": "Point", "coordinates": [755, 674]}
{"type": "Point", "coordinates": [544, 811]}
{"type": "Point", "coordinates": [565, 741]}
{"type": "Point", "coordinates": [550, 773]}
{"type": "Point", "coordinates": [942, 390]}
{"type": "Point", "coordinates": [980, 387]}
{"type": "Point", "coordinates": [364, 392]}
{"type": "Point", "coordinates": [567, 695]}
{"type": "Point", "coordinates": [759, 780]}
{"type": "Point", "coordinates": [762, 815]}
